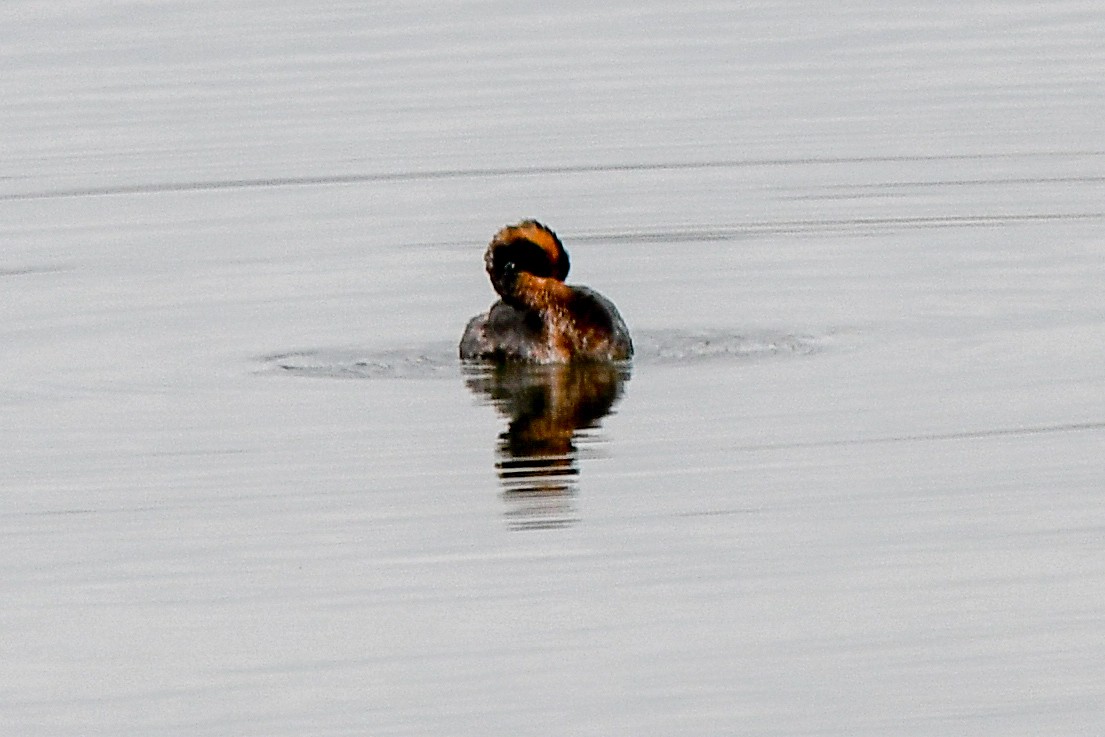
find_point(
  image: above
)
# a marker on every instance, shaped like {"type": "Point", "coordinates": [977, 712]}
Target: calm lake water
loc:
{"type": "Point", "coordinates": [851, 484]}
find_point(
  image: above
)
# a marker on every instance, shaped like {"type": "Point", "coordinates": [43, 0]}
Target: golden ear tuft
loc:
{"type": "Point", "coordinates": [541, 236]}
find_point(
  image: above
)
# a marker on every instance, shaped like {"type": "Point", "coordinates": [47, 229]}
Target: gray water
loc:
{"type": "Point", "coordinates": [850, 485]}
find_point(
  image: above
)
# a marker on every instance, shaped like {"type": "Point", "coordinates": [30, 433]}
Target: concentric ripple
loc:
{"type": "Point", "coordinates": [657, 347]}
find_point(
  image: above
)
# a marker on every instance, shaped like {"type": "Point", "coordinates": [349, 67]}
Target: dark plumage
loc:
{"type": "Point", "coordinates": [539, 318]}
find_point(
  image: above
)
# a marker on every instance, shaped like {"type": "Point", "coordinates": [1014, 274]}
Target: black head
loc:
{"type": "Point", "coordinates": [528, 247]}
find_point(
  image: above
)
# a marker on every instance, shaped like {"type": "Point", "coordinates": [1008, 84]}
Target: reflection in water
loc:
{"type": "Point", "coordinates": [550, 408]}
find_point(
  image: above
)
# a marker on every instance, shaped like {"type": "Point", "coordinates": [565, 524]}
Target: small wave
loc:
{"type": "Point", "coordinates": [653, 347]}
{"type": "Point", "coordinates": [25, 270]}
{"type": "Point", "coordinates": [679, 346]}
{"type": "Point", "coordinates": [325, 363]}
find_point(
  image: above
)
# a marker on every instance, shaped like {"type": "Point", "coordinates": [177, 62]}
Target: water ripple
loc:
{"type": "Point", "coordinates": [653, 347]}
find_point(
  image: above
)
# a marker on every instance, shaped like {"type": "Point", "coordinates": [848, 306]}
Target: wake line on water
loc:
{"type": "Point", "coordinates": [1087, 179]}
{"type": "Point", "coordinates": [933, 437]}
{"type": "Point", "coordinates": [437, 174]}
{"type": "Point", "coordinates": [769, 227]}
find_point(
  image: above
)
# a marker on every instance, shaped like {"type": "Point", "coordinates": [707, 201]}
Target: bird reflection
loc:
{"type": "Point", "coordinates": [550, 409]}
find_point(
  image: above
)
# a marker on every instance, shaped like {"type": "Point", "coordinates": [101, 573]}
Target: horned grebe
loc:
{"type": "Point", "coordinates": [540, 318]}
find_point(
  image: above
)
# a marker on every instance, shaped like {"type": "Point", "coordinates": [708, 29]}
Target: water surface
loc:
{"type": "Point", "coordinates": [849, 486]}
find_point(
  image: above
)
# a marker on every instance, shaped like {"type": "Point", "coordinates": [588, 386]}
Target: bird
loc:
{"type": "Point", "coordinates": [538, 318]}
